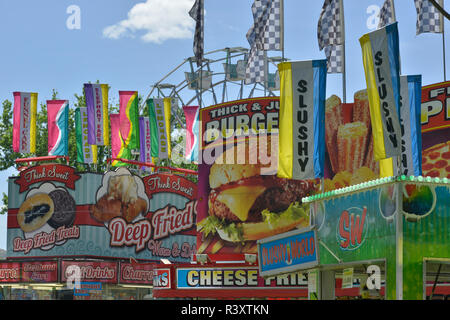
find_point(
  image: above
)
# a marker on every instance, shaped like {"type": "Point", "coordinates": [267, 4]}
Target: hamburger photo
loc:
{"type": "Point", "coordinates": [248, 202]}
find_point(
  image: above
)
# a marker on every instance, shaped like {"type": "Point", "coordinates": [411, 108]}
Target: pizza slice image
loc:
{"type": "Point", "coordinates": [436, 160]}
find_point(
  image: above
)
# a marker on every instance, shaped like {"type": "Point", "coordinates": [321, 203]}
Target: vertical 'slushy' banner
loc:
{"type": "Point", "coordinates": [24, 122]}
{"type": "Point", "coordinates": [191, 114]}
{"type": "Point", "coordinates": [86, 153]}
{"type": "Point", "coordinates": [302, 119]}
{"type": "Point", "coordinates": [129, 118]}
{"type": "Point", "coordinates": [58, 127]}
{"type": "Point", "coordinates": [118, 147]}
{"type": "Point", "coordinates": [97, 112]}
{"type": "Point", "coordinates": [380, 50]}
{"type": "Point", "coordinates": [410, 106]}
{"type": "Point", "coordinates": [159, 110]}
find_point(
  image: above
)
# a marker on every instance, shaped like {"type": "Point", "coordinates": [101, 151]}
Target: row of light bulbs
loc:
{"type": "Point", "coordinates": [374, 183]}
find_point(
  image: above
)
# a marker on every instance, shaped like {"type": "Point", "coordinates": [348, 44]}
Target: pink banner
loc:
{"type": "Point", "coordinates": [24, 122]}
{"type": "Point", "coordinates": [191, 114]}
{"type": "Point", "coordinates": [116, 144]}
{"type": "Point", "coordinates": [129, 118]}
{"type": "Point", "coordinates": [58, 125]}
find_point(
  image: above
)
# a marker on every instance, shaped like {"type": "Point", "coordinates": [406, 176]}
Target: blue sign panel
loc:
{"type": "Point", "coordinates": [288, 252]}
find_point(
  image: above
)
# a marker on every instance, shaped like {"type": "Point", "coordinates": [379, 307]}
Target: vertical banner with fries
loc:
{"type": "Point", "coordinates": [380, 50]}
{"type": "Point", "coordinates": [302, 119]}
{"type": "Point", "coordinates": [348, 139]}
{"type": "Point", "coordinates": [241, 200]}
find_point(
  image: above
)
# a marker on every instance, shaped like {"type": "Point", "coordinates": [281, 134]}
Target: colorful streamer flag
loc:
{"type": "Point", "coordinates": [191, 113]}
{"type": "Point", "coordinates": [196, 13]}
{"type": "Point", "coordinates": [265, 34]}
{"type": "Point", "coordinates": [97, 111]}
{"type": "Point", "coordinates": [58, 127]}
{"type": "Point", "coordinates": [429, 19]}
{"type": "Point", "coordinates": [129, 118]}
{"type": "Point", "coordinates": [302, 119]}
{"type": "Point", "coordinates": [410, 108]}
{"type": "Point", "coordinates": [330, 34]}
{"type": "Point", "coordinates": [387, 14]}
{"type": "Point", "coordinates": [86, 153]}
{"type": "Point", "coordinates": [24, 122]}
{"type": "Point", "coordinates": [380, 50]}
{"type": "Point", "coordinates": [159, 110]}
{"type": "Point", "coordinates": [118, 147]}
{"type": "Point", "coordinates": [145, 154]}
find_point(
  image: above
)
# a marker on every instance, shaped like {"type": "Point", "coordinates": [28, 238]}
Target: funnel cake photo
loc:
{"type": "Point", "coordinates": [120, 200]}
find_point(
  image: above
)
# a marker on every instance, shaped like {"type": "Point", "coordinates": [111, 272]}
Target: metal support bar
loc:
{"type": "Point", "coordinates": [331, 252]}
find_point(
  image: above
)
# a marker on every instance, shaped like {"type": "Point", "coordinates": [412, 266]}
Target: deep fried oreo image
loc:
{"type": "Point", "coordinates": [64, 209]}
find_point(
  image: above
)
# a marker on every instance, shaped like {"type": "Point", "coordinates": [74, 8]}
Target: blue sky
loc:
{"type": "Point", "coordinates": [132, 44]}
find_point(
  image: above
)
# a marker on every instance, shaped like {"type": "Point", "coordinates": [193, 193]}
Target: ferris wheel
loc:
{"type": "Point", "coordinates": [219, 79]}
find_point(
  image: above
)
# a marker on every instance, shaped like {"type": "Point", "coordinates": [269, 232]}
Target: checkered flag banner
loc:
{"type": "Point", "coordinates": [267, 29]}
{"type": "Point", "coordinates": [428, 17]}
{"type": "Point", "coordinates": [334, 59]}
{"type": "Point", "coordinates": [387, 14]}
{"type": "Point", "coordinates": [266, 33]}
{"type": "Point", "coordinates": [329, 29]}
{"type": "Point", "coordinates": [256, 66]}
{"type": "Point", "coordinates": [196, 13]}
{"type": "Point", "coordinates": [330, 35]}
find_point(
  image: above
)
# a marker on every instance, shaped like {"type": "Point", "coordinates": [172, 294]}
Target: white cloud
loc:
{"type": "Point", "coordinates": [160, 20]}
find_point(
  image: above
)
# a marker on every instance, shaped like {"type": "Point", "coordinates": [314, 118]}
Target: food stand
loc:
{"type": "Point", "coordinates": [101, 233]}
{"type": "Point", "coordinates": [387, 238]}
{"type": "Point", "coordinates": [398, 224]}
{"type": "Point", "coordinates": [226, 281]}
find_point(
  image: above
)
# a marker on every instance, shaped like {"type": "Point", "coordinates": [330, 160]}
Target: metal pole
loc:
{"type": "Point", "coordinates": [344, 86]}
{"type": "Point", "coordinates": [399, 243]}
{"type": "Point", "coordinates": [282, 29]}
{"type": "Point", "coordinates": [443, 42]}
{"type": "Point", "coordinates": [266, 72]}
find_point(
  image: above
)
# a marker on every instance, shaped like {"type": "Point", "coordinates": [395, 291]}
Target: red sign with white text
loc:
{"type": "Point", "coordinates": [42, 271]}
{"type": "Point", "coordinates": [46, 172]}
{"type": "Point", "coordinates": [161, 278]}
{"type": "Point", "coordinates": [136, 273]}
{"type": "Point", "coordinates": [89, 271]}
{"type": "Point", "coordinates": [10, 272]}
{"type": "Point", "coordinates": [164, 182]}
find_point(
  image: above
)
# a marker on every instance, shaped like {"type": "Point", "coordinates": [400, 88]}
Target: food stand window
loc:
{"type": "Point", "coordinates": [360, 280]}
{"type": "Point", "coordinates": [436, 279]}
